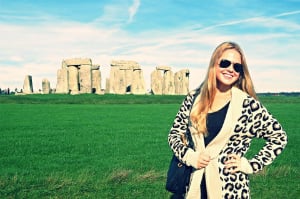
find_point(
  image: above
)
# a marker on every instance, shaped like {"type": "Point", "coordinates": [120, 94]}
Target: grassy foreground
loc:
{"type": "Point", "coordinates": [87, 146]}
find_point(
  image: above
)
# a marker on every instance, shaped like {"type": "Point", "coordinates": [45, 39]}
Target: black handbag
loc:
{"type": "Point", "coordinates": [178, 176]}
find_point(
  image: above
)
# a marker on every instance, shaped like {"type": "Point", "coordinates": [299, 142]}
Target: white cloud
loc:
{"type": "Point", "coordinates": [275, 21]}
{"type": "Point", "coordinates": [133, 10]}
{"type": "Point", "coordinates": [288, 13]}
{"type": "Point", "coordinates": [276, 80]}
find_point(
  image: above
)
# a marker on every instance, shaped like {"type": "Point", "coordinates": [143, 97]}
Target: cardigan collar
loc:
{"type": "Point", "coordinates": [214, 187]}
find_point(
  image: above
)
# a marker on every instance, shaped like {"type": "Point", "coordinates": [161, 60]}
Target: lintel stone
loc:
{"type": "Point", "coordinates": [78, 61]}
{"type": "Point", "coordinates": [163, 68]}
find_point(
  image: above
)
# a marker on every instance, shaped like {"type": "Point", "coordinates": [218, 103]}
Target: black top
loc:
{"type": "Point", "coordinates": [215, 122]}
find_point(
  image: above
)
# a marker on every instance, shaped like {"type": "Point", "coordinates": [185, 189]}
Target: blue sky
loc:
{"type": "Point", "coordinates": [37, 35]}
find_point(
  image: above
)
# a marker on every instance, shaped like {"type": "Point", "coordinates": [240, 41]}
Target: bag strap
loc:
{"type": "Point", "coordinates": [190, 139]}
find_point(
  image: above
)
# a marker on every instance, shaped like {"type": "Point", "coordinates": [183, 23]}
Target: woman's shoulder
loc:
{"type": "Point", "coordinates": [236, 92]}
{"type": "Point", "coordinates": [246, 100]}
{"type": "Point", "coordinates": [192, 94]}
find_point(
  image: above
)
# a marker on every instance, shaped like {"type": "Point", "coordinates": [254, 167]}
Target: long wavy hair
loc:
{"type": "Point", "coordinates": [209, 86]}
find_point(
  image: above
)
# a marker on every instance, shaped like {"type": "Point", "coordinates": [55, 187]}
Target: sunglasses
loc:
{"type": "Point", "coordinates": [226, 63]}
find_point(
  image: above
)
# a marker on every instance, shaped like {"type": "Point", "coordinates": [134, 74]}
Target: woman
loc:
{"type": "Point", "coordinates": [223, 119]}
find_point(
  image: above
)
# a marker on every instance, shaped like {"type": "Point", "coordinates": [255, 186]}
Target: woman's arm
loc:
{"type": "Point", "coordinates": [259, 123]}
{"type": "Point", "coordinates": [176, 137]}
{"type": "Point", "coordinates": [179, 127]}
{"type": "Point", "coordinates": [263, 125]}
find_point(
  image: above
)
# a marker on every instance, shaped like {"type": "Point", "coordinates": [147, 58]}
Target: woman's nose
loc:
{"type": "Point", "coordinates": [230, 68]}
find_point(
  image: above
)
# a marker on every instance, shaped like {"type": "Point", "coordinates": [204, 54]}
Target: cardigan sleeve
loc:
{"type": "Point", "coordinates": [177, 132]}
{"type": "Point", "coordinates": [263, 125]}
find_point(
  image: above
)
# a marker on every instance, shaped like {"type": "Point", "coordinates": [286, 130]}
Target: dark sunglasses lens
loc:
{"type": "Point", "coordinates": [224, 63]}
{"type": "Point", "coordinates": [238, 68]}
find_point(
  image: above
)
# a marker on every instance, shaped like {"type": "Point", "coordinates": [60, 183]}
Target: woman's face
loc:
{"type": "Point", "coordinates": [227, 76]}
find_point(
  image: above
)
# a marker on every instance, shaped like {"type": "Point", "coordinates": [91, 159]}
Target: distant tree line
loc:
{"type": "Point", "coordinates": [295, 94]}
{"type": "Point", "coordinates": [8, 91]}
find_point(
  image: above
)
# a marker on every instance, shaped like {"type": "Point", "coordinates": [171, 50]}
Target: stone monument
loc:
{"type": "Point", "coordinates": [164, 82]}
{"type": "Point", "coordinates": [181, 79]}
{"type": "Point", "coordinates": [46, 86]}
{"type": "Point", "coordinates": [27, 86]}
{"type": "Point", "coordinates": [96, 79]}
{"type": "Point", "coordinates": [76, 76]}
{"type": "Point", "coordinates": [125, 77]}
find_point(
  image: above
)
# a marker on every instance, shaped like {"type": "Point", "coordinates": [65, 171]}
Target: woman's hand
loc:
{"type": "Point", "coordinates": [203, 160]}
{"type": "Point", "coordinates": [233, 164]}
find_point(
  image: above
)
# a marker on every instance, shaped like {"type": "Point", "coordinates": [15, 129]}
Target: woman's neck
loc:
{"type": "Point", "coordinates": [222, 97]}
{"type": "Point", "coordinates": [223, 92]}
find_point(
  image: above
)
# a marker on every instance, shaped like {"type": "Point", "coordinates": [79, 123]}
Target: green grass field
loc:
{"type": "Point", "coordinates": [113, 146]}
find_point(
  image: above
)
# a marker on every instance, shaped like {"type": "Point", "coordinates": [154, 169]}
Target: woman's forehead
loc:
{"type": "Point", "coordinates": [231, 54]}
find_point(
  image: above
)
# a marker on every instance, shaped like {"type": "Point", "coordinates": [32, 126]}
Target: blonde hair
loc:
{"type": "Point", "coordinates": [208, 88]}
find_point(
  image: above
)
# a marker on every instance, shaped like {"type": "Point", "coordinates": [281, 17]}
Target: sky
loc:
{"type": "Point", "coordinates": [37, 35]}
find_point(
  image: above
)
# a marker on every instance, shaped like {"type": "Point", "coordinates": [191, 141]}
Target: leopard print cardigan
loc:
{"type": "Point", "coordinates": [253, 121]}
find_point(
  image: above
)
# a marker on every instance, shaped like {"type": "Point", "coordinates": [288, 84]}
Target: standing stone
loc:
{"type": "Point", "coordinates": [62, 86]}
{"type": "Point", "coordinates": [121, 85]}
{"type": "Point", "coordinates": [85, 78]}
{"type": "Point", "coordinates": [126, 70]}
{"type": "Point", "coordinates": [96, 80]}
{"type": "Point", "coordinates": [181, 79]}
{"type": "Point", "coordinates": [113, 79]}
{"type": "Point", "coordinates": [46, 86]}
{"type": "Point", "coordinates": [168, 83]}
{"type": "Point", "coordinates": [73, 79]}
{"type": "Point", "coordinates": [107, 85]}
{"type": "Point", "coordinates": [156, 82]}
{"type": "Point", "coordinates": [27, 86]}
{"type": "Point", "coordinates": [162, 81]}
{"type": "Point", "coordinates": [138, 82]}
